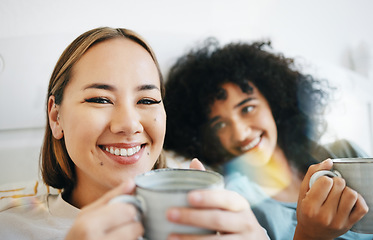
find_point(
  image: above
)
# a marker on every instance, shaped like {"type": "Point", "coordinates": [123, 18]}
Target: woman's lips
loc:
{"type": "Point", "coordinates": [124, 152]}
{"type": "Point", "coordinates": [252, 144]}
{"type": "Point", "coordinates": [124, 155]}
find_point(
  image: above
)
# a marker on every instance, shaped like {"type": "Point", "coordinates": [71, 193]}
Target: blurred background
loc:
{"type": "Point", "coordinates": [329, 39]}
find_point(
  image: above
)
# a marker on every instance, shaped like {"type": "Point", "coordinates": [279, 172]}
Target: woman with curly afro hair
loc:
{"type": "Point", "coordinates": [247, 112]}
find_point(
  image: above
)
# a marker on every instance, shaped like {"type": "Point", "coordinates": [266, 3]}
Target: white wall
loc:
{"type": "Point", "coordinates": [331, 39]}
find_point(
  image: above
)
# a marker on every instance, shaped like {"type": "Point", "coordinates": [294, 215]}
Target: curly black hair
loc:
{"type": "Point", "coordinates": [194, 82]}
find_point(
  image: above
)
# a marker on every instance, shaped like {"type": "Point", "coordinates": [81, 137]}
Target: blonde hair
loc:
{"type": "Point", "coordinates": [57, 168]}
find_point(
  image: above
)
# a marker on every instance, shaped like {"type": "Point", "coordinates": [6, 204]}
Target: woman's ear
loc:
{"type": "Point", "coordinates": [54, 121]}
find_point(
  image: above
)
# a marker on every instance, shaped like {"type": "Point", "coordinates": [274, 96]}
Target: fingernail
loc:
{"type": "Point", "coordinates": [325, 161]}
{"type": "Point", "coordinates": [173, 214]}
{"type": "Point", "coordinates": [195, 197]}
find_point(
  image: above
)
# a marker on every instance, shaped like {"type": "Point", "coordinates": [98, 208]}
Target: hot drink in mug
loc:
{"type": "Point", "coordinates": [158, 190]}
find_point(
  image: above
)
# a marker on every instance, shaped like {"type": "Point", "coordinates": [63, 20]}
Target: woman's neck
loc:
{"type": "Point", "coordinates": [83, 194]}
{"type": "Point", "coordinates": [279, 180]}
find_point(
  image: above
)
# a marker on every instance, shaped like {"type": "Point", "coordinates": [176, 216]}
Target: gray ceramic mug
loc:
{"type": "Point", "coordinates": [158, 190]}
{"type": "Point", "coordinates": [358, 174]}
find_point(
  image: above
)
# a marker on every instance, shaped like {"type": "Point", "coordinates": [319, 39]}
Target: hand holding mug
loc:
{"type": "Point", "coordinates": [223, 211]}
{"type": "Point", "coordinates": [329, 208]}
{"type": "Point", "coordinates": [191, 204]}
{"type": "Point", "coordinates": [160, 189]}
{"type": "Point", "coordinates": [101, 220]}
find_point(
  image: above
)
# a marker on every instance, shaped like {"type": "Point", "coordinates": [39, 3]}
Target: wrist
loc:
{"type": "Point", "coordinates": [303, 235]}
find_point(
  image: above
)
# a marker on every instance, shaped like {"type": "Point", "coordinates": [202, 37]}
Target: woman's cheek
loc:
{"type": "Point", "coordinates": [157, 124]}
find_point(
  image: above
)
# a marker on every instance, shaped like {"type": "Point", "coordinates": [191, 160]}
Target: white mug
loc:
{"type": "Point", "coordinates": [358, 174]}
{"type": "Point", "coordinates": [158, 190]}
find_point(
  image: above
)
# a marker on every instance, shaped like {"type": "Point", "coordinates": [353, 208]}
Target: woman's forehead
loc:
{"type": "Point", "coordinates": [116, 56]}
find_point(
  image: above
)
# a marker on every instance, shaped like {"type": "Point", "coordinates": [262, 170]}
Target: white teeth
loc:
{"type": "Point", "coordinates": [130, 151]}
{"type": "Point", "coordinates": [125, 152]}
{"type": "Point", "coordinates": [252, 144]}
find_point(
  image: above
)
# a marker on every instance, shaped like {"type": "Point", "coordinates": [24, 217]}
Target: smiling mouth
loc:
{"type": "Point", "coordinates": [251, 144]}
{"type": "Point", "coordinates": [124, 152]}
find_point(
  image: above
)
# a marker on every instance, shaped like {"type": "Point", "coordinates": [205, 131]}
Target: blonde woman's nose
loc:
{"type": "Point", "coordinates": [126, 120]}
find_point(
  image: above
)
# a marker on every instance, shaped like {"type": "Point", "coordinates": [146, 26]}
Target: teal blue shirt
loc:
{"type": "Point", "coordinates": [279, 218]}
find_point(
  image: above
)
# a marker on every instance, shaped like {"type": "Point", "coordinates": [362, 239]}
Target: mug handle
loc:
{"type": "Point", "coordinates": [134, 200]}
{"type": "Point", "coordinates": [321, 173]}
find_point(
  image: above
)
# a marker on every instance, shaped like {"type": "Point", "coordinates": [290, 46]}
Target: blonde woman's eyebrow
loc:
{"type": "Point", "coordinates": [147, 87]}
{"type": "Point", "coordinates": [100, 86]}
{"type": "Point", "coordinates": [113, 88]}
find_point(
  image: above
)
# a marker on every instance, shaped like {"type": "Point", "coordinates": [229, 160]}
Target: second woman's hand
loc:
{"type": "Point", "coordinates": [329, 208]}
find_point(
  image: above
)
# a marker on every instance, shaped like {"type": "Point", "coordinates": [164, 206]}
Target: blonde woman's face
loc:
{"type": "Point", "coordinates": [112, 114]}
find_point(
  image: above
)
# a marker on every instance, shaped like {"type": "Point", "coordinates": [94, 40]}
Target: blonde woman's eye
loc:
{"type": "Point", "coordinates": [100, 100]}
{"type": "Point", "coordinates": [148, 101]}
